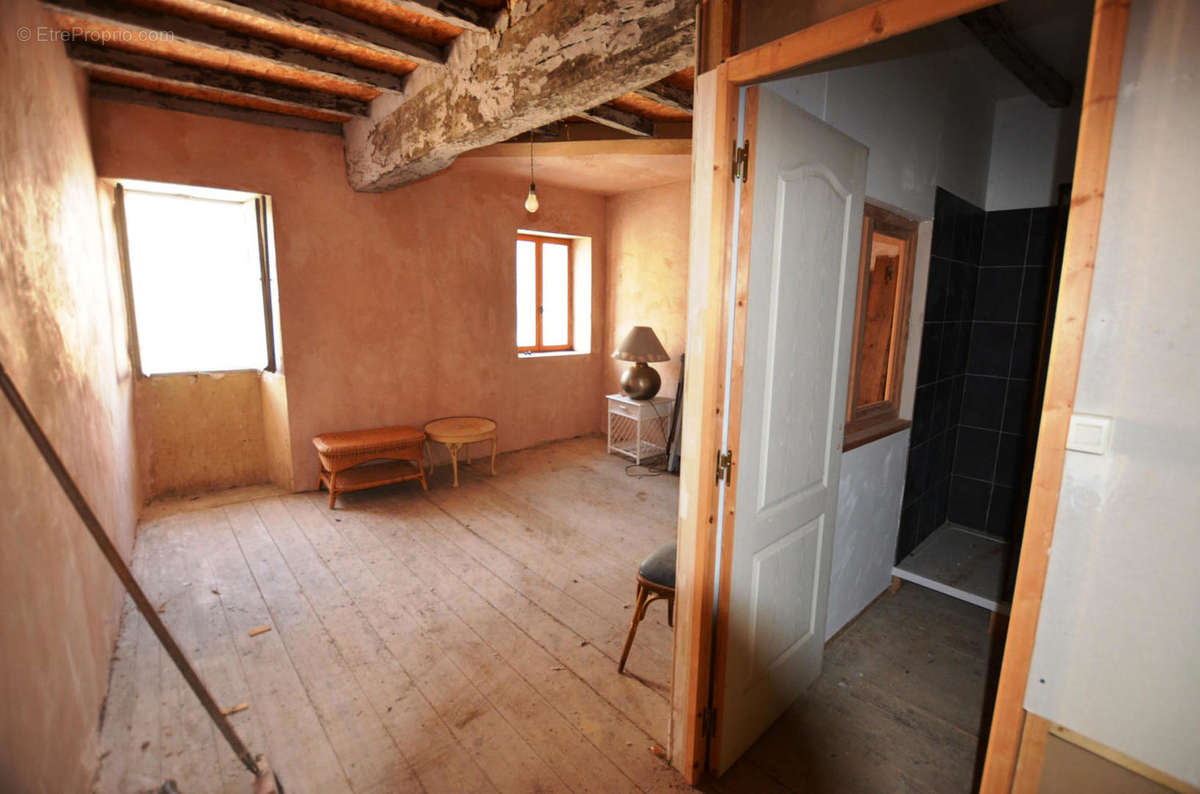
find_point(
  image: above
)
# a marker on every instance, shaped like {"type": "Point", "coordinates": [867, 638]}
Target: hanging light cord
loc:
{"type": "Point", "coordinates": [531, 158]}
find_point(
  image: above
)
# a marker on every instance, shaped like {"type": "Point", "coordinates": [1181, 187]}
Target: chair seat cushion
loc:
{"type": "Point", "coordinates": [659, 567]}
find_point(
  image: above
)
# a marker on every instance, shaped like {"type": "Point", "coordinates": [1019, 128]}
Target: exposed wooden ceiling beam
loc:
{"type": "Point", "coordinates": [147, 24]}
{"type": "Point", "coordinates": [555, 129]}
{"type": "Point", "coordinates": [993, 30]}
{"type": "Point", "coordinates": [323, 22]}
{"type": "Point", "coordinates": [453, 12]}
{"type": "Point", "coordinates": [111, 61]}
{"type": "Point", "coordinates": [138, 96]}
{"type": "Point", "coordinates": [618, 119]}
{"type": "Point", "coordinates": [553, 61]}
{"type": "Point", "coordinates": [664, 93]}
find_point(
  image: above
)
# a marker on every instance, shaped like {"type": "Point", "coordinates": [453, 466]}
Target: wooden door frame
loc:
{"type": "Point", "coordinates": [699, 637]}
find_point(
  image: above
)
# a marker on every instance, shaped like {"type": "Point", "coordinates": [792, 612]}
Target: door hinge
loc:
{"type": "Point", "coordinates": [741, 161]}
{"type": "Point", "coordinates": [708, 722]}
{"type": "Point", "coordinates": [724, 467]}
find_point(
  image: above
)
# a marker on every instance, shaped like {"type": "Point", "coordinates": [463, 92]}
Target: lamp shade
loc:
{"type": "Point", "coordinates": [640, 344]}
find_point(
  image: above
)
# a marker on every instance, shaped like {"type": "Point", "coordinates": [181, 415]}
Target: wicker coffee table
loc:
{"type": "Point", "coordinates": [456, 432]}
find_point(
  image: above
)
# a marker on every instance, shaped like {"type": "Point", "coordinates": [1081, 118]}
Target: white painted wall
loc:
{"type": "Point", "coordinates": [868, 520]}
{"type": "Point", "coordinates": [1025, 152]}
{"type": "Point", "coordinates": [1117, 656]}
{"type": "Point", "coordinates": [925, 121]}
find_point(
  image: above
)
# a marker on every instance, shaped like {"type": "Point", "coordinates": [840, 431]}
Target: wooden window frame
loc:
{"type": "Point", "coordinates": [539, 241]}
{"type": "Point", "coordinates": [870, 422]}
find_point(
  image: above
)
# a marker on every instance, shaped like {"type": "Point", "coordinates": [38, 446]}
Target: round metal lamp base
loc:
{"type": "Point", "coordinates": [641, 381]}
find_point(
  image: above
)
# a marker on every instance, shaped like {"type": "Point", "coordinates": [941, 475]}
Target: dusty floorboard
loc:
{"type": "Point", "coordinates": [466, 640]}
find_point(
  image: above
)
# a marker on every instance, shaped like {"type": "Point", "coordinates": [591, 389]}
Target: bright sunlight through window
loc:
{"type": "Point", "coordinates": [197, 278]}
{"type": "Point", "coordinates": [545, 303]}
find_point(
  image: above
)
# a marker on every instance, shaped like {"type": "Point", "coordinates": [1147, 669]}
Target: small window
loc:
{"type": "Point", "coordinates": [196, 268]}
{"type": "Point", "coordinates": [880, 326]}
{"type": "Point", "coordinates": [545, 294]}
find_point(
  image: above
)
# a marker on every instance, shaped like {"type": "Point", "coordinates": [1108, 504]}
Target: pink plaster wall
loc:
{"type": "Point", "coordinates": [62, 339]}
{"type": "Point", "coordinates": [395, 308]}
{"type": "Point", "coordinates": [647, 274]}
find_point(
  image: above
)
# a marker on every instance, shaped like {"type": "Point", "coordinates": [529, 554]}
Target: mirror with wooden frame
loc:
{"type": "Point", "coordinates": [880, 326]}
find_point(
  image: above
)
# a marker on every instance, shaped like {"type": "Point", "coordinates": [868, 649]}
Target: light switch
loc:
{"type": "Point", "coordinates": [1089, 433]}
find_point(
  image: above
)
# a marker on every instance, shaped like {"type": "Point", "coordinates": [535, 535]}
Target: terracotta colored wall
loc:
{"type": "Point", "coordinates": [62, 339]}
{"type": "Point", "coordinates": [647, 282]}
{"type": "Point", "coordinates": [277, 443]}
{"type": "Point", "coordinates": [200, 433]}
{"type": "Point", "coordinates": [396, 307]}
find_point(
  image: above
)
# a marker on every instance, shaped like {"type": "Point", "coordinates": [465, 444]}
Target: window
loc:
{"type": "Point", "coordinates": [197, 283]}
{"type": "Point", "coordinates": [545, 294]}
{"type": "Point", "coordinates": [880, 326]}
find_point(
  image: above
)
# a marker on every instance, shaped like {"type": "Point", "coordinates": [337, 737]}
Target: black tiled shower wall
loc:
{"type": "Point", "coordinates": [958, 232]}
{"type": "Point", "coordinates": [988, 480]}
{"type": "Point", "coordinates": [983, 311]}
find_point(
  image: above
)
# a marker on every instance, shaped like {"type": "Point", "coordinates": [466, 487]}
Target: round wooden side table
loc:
{"type": "Point", "coordinates": [455, 432]}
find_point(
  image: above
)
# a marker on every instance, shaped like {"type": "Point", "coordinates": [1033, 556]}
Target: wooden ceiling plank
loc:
{"type": "Point", "coordinates": [324, 22]}
{"type": "Point", "coordinates": [144, 22]}
{"type": "Point", "coordinates": [463, 15]}
{"type": "Point", "coordinates": [137, 96]}
{"type": "Point", "coordinates": [664, 93]}
{"type": "Point", "coordinates": [618, 119]}
{"type": "Point", "coordinates": [110, 60]}
{"type": "Point", "coordinates": [991, 27]}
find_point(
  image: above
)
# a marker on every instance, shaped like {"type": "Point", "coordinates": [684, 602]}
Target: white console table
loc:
{"type": "Point", "coordinates": [638, 429]}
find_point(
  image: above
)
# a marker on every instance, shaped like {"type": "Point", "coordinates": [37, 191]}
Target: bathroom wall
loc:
{"type": "Point", "coordinates": [990, 473]}
{"type": "Point", "coordinates": [958, 228]}
{"type": "Point", "coordinates": [984, 305]}
{"type": "Point", "coordinates": [1117, 642]}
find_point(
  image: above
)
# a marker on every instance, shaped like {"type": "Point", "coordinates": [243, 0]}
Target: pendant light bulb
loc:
{"type": "Point", "coordinates": [531, 202]}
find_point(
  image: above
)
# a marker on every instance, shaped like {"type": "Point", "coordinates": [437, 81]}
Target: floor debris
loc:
{"type": "Point", "coordinates": [235, 709]}
{"type": "Point", "coordinates": [259, 630]}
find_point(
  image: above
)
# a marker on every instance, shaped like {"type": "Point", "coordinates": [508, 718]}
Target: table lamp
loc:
{"type": "Point", "coordinates": [640, 345]}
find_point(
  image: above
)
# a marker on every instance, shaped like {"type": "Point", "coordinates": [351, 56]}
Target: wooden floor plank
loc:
{"type": "Point", "coordinates": [298, 746]}
{"type": "Point", "coordinates": [407, 713]}
{"type": "Point", "coordinates": [367, 753]}
{"type": "Point", "coordinates": [189, 740]}
{"type": "Point", "coordinates": [579, 681]}
{"type": "Point", "coordinates": [144, 770]}
{"type": "Point", "coordinates": [605, 628]}
{"type": "Point", "coordinates": [576, 763]}
{"type": "Point", "coordinates": [579, 558]}
{"type": "Point", "coordinates": [388, 590]}
{"type": "Point", "coordinates": [467, 641]}
{"type": "Point", "coordinates": [116, 725]}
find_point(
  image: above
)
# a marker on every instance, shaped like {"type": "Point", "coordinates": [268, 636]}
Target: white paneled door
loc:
{"type": "Point", "coordinates": [806, 227]}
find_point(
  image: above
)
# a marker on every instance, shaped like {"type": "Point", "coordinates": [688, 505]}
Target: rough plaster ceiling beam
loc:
{"type": "Point", "coordinates": [463, 15]}
{"type": "Point", "coordinates": [139, 96]}
{"type": "Point", "coordinates": [323, 22]}
{"type": "Point", "coordinates": [552, 60]}
{"type": "Point", "coordinates": [147, 24]}
{"type": "Point", "coordinates": [666, 94]}
{"type": "Point", "coordinates": [991, 27]}
{"type": "Point", "coordinates": [109, 61]}
{"type": "Point", "coordinates": [619, 119]}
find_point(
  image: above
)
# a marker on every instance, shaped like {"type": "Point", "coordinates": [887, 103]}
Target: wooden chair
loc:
{"type": "Point", "coordinates": [655, 580]}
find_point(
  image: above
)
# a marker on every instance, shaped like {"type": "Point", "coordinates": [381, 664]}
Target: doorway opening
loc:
{"type": "Point", "coordinates": [943, 123]}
